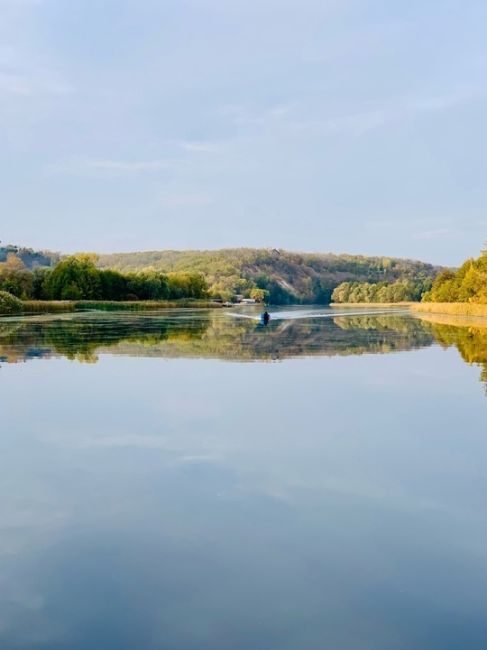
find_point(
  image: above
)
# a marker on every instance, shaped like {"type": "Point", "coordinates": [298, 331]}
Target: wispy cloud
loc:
{"type": "Point", "coordinates": [202, 146]}
{"type": "Point", "coordinates": [318, 120]}
{"type": "Point", "coordinates": [20, 3]}
{"type": "Point", "coordinates": [34, 83]}
{"type": "Point", "coordinates": [356, 123]}
{"type": "Point", "coordinates": [439, 233]}
{"type": "Point", "coordinates": [131, 166]}
{"type": "Point", "coordinates": [14, 84]}
{"type": "Point", "coordinates": [242, 115]}
{"type": "Point", "coordinates": [186, 200]}
{"type": "Point", "coordinates": [118, 167]}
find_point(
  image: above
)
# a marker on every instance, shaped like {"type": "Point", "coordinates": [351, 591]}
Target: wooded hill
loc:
{"type": "Point", "coordinates": [30, 258]}
{"type": "Point", "coordinates": [285, 277]}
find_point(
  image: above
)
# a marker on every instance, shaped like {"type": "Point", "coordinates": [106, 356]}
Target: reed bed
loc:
{"type": "Point", "coordinates": [142, 305]}
{"type": "Point", "coordinates": [66, 306]}
{"type": "Point", "coordinates": [47, 306]}
{"type": "Point", "coordinates": [451, 308]}
{"type": "Point", "coordinates": [368, 305]}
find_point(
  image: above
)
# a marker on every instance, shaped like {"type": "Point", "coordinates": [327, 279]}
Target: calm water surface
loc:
{"type": "Point", "coordinates": [191, 480]}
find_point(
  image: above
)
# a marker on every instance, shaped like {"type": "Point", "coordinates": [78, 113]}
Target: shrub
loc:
{"type": "Point", "coordinates": [9, 304]}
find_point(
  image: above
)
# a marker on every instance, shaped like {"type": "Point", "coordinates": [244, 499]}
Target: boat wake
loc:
{"type": "Point", "coordinates": [307, 315]}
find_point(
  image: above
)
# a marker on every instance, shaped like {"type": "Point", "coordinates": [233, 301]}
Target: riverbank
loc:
{"type": "Point", "coordinates": [368, 305]}
{"type": "Point", "coordinates": [451, 308]}
{"type": "Point", "coordinates": [30, 307]}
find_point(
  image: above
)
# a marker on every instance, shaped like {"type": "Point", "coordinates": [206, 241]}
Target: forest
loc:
{"type": "Point", "coordinates": [78, 278]}
{"type": "Point", "coordinates": [285, 277]}
{"type": "Point", "coordinates": [266, 275]}
{"type": "Point", "coordinates": [382, 292]}
{"type": "Point", "coordinates": [467, 284]}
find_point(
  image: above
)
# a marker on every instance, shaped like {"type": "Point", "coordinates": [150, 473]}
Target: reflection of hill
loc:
{"type": "Point", "coordinates": [241, 340]}
{"type": "Point", "coordinates": [205, 334]}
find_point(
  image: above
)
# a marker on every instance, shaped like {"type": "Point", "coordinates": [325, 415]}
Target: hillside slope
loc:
{"type": "Point", "coordinates": [30, 258]}
{"type": "Point", "coordinates": [287, 277]}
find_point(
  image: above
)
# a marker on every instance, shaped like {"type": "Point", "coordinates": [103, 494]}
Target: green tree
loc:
{"type": "Point", "coordinates": [75, 278]}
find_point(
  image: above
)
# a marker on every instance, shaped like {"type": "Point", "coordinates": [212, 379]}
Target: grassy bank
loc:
{"type": "Point", "coordinates": [144, 305]}
{"type": "Point", "coordinates": [368, 305]}
{"type": "Point", "coordinates": [451, 308]}
{"type": "Point", "coordinates": [66, 306]}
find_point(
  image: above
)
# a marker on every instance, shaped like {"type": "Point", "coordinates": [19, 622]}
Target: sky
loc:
{"type": "Point", "coordinates": [318, 125]}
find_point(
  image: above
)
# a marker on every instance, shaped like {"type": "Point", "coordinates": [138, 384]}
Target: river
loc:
{"type": "Point", "coordinates": [185, 480]}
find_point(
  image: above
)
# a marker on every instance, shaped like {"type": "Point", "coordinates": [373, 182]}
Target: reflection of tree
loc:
{"type": "Point", "coordinates": [384, 322]}
{"type": "Point", "coordinates": [470, 340]}
{"type": "Point", "coordinates": [212, 334]}
{"type": "Point", "coordinates": [81, 337]}
{"type": "Point", "coordinates": [207, 334]}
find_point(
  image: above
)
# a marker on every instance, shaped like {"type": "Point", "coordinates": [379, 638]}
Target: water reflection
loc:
{"type": "Point", "coordinates": [273, 506]}
{"type": "Point", "coordinates": [468, 335]}
{"type": "Point", "coordinates": [216, 335]}
{"type": "Point", "coordinates": [208, 334]}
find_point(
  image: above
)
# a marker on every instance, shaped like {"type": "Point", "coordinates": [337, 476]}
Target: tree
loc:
{"type": "Point", "coordinates": [259, 295]}
{"type": "Point", "coordinates": [75, 278]}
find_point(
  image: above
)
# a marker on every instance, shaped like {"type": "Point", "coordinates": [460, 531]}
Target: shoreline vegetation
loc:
{"type": "Point", "coordinates": [467, 285]}
{"type": "Point", "coordinates": [39, 282]}
{"type": "Point", "coordinates": [369, 305]}
{"type": "Point", "coordinates": [273, 276]}
{"type": "Point", "coordinates": [451, 308]}
{"type": "Point", "coordinates": [33, 307]}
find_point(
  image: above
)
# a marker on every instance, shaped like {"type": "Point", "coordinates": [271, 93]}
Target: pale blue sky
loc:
{"type": "Point", "coordinates": [347, 126]}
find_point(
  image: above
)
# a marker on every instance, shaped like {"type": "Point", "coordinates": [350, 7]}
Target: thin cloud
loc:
{"type": "Point", "coordinates": [114, 166]}
{"type": "Point", "coordinates": [186, 200]}
{"type": "Point", "coordinates": [242, 115]}
{"type": "Point", "coordinates": [439, 233]}
{"type": "Point", "coordinates": [35, 83]}
{"type": "Point", "coordinates": [199, 146]}
{"type": "Point", "coordinates": [291, 117]}
{"type": "Point", "coordinates": [361, 122]}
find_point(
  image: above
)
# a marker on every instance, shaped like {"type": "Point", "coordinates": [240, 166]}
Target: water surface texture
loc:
{"type": "Point", "coordinates": [193, 480]}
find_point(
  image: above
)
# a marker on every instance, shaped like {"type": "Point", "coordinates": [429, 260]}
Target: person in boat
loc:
{"type": "Point", "coordinates": [266, 317]}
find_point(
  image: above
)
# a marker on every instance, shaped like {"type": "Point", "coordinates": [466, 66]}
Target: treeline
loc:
{"type": "Point", "coordinates": [468, 284]}
{"type": "Point", "coordinates": [382, 292]}
{"type": "Point", "coordinates": [286, 277]}
{"type": "Point", "coordinates": [78, 278]}
{"type": "Point", "coordinates": [268, 275]}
